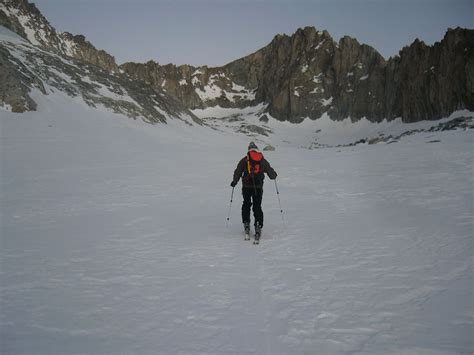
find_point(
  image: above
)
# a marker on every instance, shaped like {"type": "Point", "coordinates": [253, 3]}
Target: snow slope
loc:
{"type": "Point", "coordinates": [37, 68]}
{"type": "Point", "coordinates": [312, 134]}
{"type": "Point", "coordinates": [114, 240]}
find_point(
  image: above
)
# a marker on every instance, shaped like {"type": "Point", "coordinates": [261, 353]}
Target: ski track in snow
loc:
{"type": "Point", "coordinates": [114, 241]}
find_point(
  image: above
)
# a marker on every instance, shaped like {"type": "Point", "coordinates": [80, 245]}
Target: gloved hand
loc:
{"type": "Point", "coordinates": [233, 183]}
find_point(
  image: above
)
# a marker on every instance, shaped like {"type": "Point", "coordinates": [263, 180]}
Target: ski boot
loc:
{"type": "Point", "coordinates": [247, 230]}
{"type": "Point", "coordinates": [258, 233]}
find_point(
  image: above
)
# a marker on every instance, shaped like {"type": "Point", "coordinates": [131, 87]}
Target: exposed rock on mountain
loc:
{"type": "Point", "coordinates": [79, 48]}
{"type": "Point", "coordinates": [26, 20]}
{"type": "Point", "coordinates": [61, 61]}
{"type": "Point", "coordinates": [195, 87]}
{"type": "Point", "coordinates": [15, 83]}
{"type": "Point", "coordinates": [308, 74]}
{"type": "Point", "coordinates": [429, 82]}
{"type": "Point", "coordinates": [304, 75]}
{"type": "Point", "coordinates": [25, 68]}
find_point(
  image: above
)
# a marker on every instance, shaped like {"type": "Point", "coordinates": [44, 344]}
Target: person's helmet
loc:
{"type": "Point", "coordinates": [252, 146]}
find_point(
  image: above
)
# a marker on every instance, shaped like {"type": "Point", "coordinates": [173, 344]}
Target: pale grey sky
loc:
{"type": "Point", "coordinates": [215, 32]}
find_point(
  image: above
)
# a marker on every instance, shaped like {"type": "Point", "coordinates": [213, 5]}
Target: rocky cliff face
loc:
{"type": "Point", "coordinates": [429, 82]}
{"type": "Point", "coordinates": [16, 82]}
{"type": "Point", "coordinates": [196, 87]}
{"type": "Point", "coordinates": [26, 20]}
{"type": "Point", "coordinates": [309, 74]}
{"type": "Point", "coordinates": [304, 75]}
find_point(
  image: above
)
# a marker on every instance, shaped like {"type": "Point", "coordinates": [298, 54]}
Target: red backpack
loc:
{"type": "Point", "coordinates": [254, 159]}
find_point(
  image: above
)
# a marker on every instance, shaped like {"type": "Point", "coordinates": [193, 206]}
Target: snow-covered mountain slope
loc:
{"type": "Point", "coordinates": [323, 132]}
{"type": "Point", "coordinates": [114, 240]}
{"type": "Point", "coordinates": [27, 67]}
{"type": "Point", "coordinates": [25, 19]}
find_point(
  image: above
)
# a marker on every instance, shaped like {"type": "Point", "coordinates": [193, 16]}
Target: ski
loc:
{"type": "Point", "coordinates": [247, 231]}
{"type": "Point", "coordinates": [257, 238]}
{"type": "Point", "coordinates": [258, 234]}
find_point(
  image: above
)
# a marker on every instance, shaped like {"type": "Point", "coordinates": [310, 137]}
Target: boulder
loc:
{"type": "Point", "coordinates": [269, 147]}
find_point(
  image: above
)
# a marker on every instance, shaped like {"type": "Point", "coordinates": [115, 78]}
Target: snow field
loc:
{"type": "Point", "coordinates": [114, 240]}
{"type": "Point", "coordinates": [311, 133]}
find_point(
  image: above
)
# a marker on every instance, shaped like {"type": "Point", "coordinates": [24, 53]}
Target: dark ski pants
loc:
{"type": "Point", "coordinates": [252, 196]}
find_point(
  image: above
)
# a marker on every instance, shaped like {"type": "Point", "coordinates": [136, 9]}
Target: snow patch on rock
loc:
{"type": "Point", "coordinates": [327, 102]}
{"type": "Point", "coordinates": [209, 92]}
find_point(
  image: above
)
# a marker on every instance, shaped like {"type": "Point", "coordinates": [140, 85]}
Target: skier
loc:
{"type": "Point", "coordinates": [252, 168]}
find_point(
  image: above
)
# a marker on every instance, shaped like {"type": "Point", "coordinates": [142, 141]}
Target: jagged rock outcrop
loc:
{"type": "Point", "coordinates": [26, 20]}
{"type": "Point", "coordinates": [15, 84]}
{"type": "Point", "coordinates": [79, 48]}
{"type": "Point", "coordinates": [309, 74]}
{"type": "Point", "coordinates": [196, 87]}
{"type": "Point", "coordinates": [291, 74]}
{"type": "Point", "coordinates": [429, 82]}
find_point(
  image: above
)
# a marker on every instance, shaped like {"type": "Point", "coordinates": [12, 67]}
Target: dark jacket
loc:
{"type": "Point", "coordinates": [257, 180]}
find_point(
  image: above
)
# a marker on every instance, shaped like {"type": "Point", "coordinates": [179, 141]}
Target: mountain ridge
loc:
{"type": "Point", "coordinates": [27, 71]}
{"type": "Point", "coordinates": [25, 19]}
{"type": "Point", "coordinates": [307, 74]}
{"type": "Point", "coordinates": [355, 78]}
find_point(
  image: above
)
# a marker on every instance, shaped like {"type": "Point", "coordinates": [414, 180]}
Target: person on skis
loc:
{"type": "Point", "coordinates": [251, 169]}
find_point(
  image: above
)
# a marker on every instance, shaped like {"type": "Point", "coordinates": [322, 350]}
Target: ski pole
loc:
{"type": "Point", "coordinates": [230, 206]}
{"type": "Point", "coordinates": [279, 202]}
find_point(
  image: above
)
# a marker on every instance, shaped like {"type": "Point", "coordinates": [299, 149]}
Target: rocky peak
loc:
{"type": "Point", "coordinates": [457, 35]}
{"type": "Point", "coordinates": [429, 82]}
{"type": "Point", "coordinates": [26, 20]}
{"type": "Point", "coordinates": [414, 49]}
{"type": "Point", "coordinates": [304, 39]}
{"type": "Point", "coordinates": [76, 46]}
